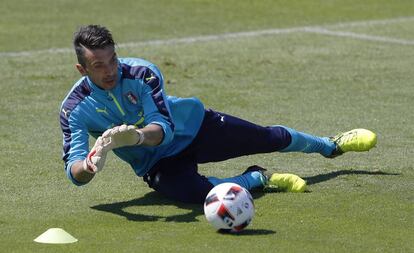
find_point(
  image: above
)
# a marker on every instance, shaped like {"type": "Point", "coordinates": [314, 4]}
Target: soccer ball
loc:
{"type": "Point", "coordinates": [229, 207]}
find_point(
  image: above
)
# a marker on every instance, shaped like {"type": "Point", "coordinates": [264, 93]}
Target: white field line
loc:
{"type": "Point", "coordinates": [360, 36]}
{"type": "Point", "coordinates": [320, 29]}
{"type": "Point", "coordinates": [369, 22]}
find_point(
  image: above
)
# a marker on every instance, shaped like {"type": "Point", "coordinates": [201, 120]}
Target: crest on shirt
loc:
{"type": "Point", "coordinates": [131, 97]}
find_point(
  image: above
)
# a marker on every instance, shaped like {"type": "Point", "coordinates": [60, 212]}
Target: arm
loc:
{"type": "Point", "coordinates": [79, 165]}
{"type": "Point", "coordinates": [159, 129]}
{"type": "Point", "coordinates": [80, 174]}
{"type": "Point", "coordinates": [156, 108]}
{"type": "Point", "coordinates": [153, 135]}
{"type": "Point", "coordinates": [129, 135]}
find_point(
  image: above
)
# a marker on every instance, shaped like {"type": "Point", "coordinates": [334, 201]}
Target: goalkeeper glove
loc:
{"type": "Point", "coordinates": [95, 160]}
{"type": "Point", "coordinates": [121, 136]}
{"type": "Point", "coordinates": [116, 137]}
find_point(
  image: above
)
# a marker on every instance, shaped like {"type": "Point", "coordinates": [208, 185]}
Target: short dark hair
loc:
{"type": "Point", "coordinates": [91, 37]}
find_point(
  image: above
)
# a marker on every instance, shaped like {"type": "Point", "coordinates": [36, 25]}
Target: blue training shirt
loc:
{"type": "Point", "coordinates": [137, 99]}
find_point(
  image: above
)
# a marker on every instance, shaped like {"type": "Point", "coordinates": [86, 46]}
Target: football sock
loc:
{"type": "Point", "coordinates": [306, 143]}
{"type": "Point", "coordinates": [249, 180]}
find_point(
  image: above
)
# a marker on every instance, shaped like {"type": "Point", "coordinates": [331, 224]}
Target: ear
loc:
{"type": "Point", "coordinates": [81, 69]}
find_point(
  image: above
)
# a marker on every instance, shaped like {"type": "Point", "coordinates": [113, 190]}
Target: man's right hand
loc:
{"type": "Point", "coordinates": [112, 138]}
{"type": "Point", "coordinates": [95, 160]}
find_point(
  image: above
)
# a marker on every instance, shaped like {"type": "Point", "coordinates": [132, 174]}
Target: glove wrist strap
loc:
{"type": "Point", "coordinates": [141, 137]}
{"type": "Point", "coordinates": [86, 166]}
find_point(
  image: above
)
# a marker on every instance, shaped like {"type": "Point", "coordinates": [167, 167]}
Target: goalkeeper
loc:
{"type": "Point", "coordinates": [121, 102]}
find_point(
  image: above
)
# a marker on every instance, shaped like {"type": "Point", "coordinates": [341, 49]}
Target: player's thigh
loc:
{"type": "Point", "coordinates": [223, 136]}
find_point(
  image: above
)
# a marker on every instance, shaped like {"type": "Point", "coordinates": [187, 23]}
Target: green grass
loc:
{"type": "Point", "coordinates": [314, 83]}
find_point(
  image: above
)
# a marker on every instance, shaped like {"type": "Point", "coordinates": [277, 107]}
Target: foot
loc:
{"type": "Point", "coordinates": [280, 182]}
{"type": "Point", "coordinates": [358, 140]}
{"type": "Point", "coordinates": [262, 176]}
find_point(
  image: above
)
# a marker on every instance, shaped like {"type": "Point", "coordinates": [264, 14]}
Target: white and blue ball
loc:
{"type": "Point", "coordinates": [229, 206]}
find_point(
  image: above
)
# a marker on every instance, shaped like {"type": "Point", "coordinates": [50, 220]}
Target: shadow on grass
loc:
{"type": "Point", "coordinates": [328, 176]}
{"type": "Point", "coordinates": [248, 232]}
{"type": "Point", "coordinates": [157, 201]}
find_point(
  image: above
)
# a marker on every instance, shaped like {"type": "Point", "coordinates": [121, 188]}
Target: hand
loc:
{"type": "Point", "coordinates": [121, 136]}
{"type": "Point", "coordinates": [95, 160]}
{"type": "Point", "coordinates": [116, 137]}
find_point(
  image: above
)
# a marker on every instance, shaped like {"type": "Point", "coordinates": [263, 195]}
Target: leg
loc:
{"type": "Point", "coordinates": [223, 136]}
{"type": "Point", "coordinates": [306, 143]}
{"type": "Point", "coordinates": [177, 178]}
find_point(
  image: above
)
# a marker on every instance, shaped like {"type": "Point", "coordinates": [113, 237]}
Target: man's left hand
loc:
{"type": "Point", "coordinates": [121, 136]}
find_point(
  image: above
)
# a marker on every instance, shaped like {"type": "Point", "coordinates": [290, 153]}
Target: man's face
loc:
{"type": "Point", "coordinates": [101, 65]}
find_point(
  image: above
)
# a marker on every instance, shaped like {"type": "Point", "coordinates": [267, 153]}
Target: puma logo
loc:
{"type": "Point", "coordinates": [150, 78]}
{"type": "Point", "coordinates": [65, 112]}
{"type": "Point", "coordinates": [102, 110]}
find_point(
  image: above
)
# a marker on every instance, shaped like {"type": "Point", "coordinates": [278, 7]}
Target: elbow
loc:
{"type": "Point", "coordinates": [158, 134]}
{"type": "Point", "coordinates": [155, 139]}
{"type": "Point", "coordinates": [77, 183]}
{"type": "Point", "coordinates": [74, 181]}
{"type": "Point", "coordinates": [168, 135]}
{"type": "Point", "coordinates": [72, 178]}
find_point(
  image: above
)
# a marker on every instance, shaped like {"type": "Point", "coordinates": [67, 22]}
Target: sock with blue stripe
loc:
{"type": "Point", "coordinates": [306, 143]}
{"type": "Point", "coordinates": [249, 180]}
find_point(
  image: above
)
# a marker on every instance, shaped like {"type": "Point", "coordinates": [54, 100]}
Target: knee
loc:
{"type": "Point", "coordinates": [179, 188]}
{"type": "Point", "coordinates": [153, 180]}
{"type": "Point", "coordinates": [281, 136]}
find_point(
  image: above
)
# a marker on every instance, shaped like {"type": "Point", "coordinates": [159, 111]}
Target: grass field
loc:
{"type": "Point", "coordinates": [318, 66]}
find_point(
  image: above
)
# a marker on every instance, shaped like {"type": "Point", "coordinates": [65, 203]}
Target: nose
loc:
{"type": "Point", "coordinates": [109, 70]}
